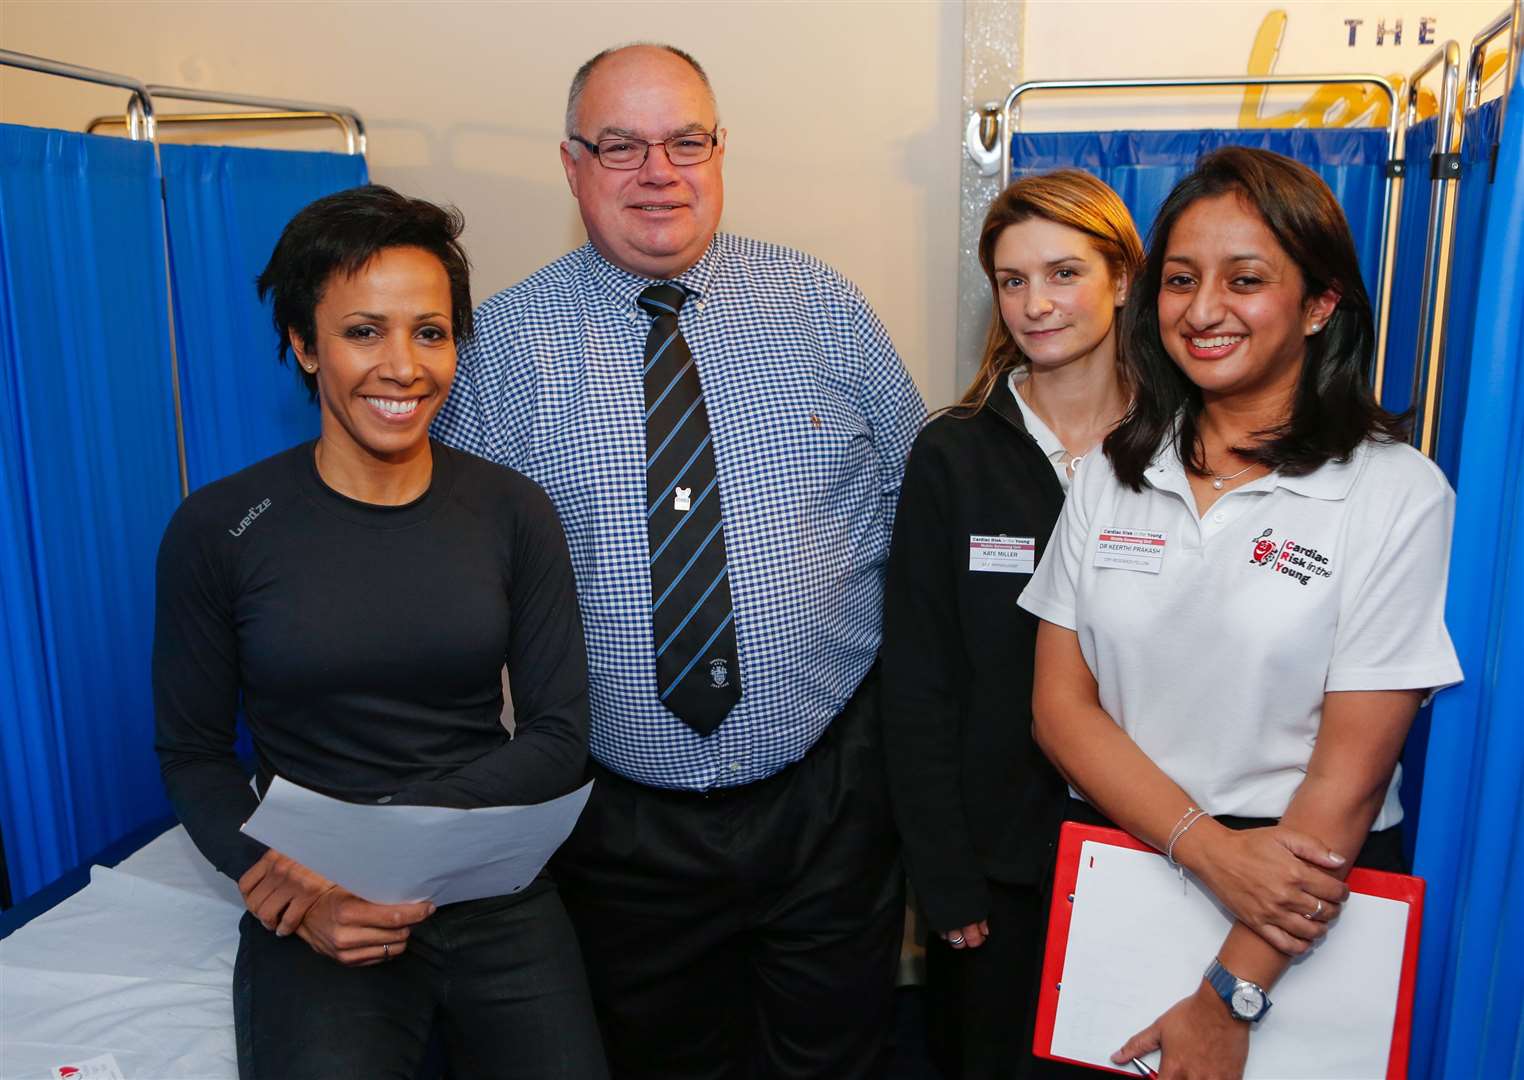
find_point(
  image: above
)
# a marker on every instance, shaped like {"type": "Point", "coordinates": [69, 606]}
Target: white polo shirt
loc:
{"type": "Point", "coordinates": [1213, 639]}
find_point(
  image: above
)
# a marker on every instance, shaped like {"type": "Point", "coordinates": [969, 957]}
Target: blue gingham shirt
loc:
{"type": "Point", "coordinates": [812, 416]}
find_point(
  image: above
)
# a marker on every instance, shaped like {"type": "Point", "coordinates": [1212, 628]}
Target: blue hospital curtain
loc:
{"type": "Point", "coordinates": [90, 472]}
{"type": "Point", "coordinates": [226, 207]}
{"type": "Point", "coordinates": [1142, 166]}
{"type": "Point", "coordinates": [1469, 281]}
{"type": "Point", "coordinates": [1469, 1015]}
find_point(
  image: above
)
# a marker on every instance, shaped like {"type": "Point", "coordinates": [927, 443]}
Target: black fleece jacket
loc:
{"type": "Point", "coordinates": [973, 795]}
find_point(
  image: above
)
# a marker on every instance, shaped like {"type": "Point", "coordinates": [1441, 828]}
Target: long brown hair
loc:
{"type": "Point", "coordinates": [1065, 197]}
{"type": "Point", "coordinates": [1334, 409]}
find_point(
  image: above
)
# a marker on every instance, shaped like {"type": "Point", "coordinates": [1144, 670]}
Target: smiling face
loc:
{"type": "Point", "coordinates": [657, 220]}
{"type": "Point", "coordinates": [1057, 295]}
{"type": "Point", "coordinates": [1233, 313]}
{"type": "Point", "coordinates": [384, 354]}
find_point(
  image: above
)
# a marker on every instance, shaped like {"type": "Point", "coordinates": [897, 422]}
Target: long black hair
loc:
{"type": "Point", "coordinates": [339, 234]}
{"type": "Point", "coordinates": [1334, 409]}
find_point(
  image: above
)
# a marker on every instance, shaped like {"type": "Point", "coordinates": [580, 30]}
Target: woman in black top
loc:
{"type": "Point", "coordinates": [977, 803]}
{"type": "Point", "coordinates": [357, 597]}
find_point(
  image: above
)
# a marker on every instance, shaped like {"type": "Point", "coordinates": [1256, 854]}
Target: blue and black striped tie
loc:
{"type": "Point", "coordinates": [698, 673]}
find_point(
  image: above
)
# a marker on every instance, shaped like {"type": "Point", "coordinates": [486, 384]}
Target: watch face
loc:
{"type": "Point", "coordinates": [1248, 1000]}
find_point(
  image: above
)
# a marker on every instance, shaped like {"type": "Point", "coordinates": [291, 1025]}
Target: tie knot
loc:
{"type": "Point", "coordinates": [663, 299]}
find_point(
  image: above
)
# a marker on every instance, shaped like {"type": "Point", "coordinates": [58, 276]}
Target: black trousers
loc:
{"type": "Point", "coordinates": [500, 978]}
{"type": "Point", "coordinates": [1381, 850]}
{"type": "Point", "coordinates": [751, 933]}
{"type": "Point", "coordinates": [981, 1003]}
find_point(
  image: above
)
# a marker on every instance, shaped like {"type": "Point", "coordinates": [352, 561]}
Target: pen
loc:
{"type": "Point", "coordinates": [1142, 1067]}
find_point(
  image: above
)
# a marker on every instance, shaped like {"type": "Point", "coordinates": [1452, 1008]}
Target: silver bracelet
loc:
{"type": "Point", "coordinates": [1192, 816]}
{"type": "Point", "coordinates": [1174, 833]}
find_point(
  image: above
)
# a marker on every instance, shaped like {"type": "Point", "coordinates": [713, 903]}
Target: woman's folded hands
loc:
{"type": "Point", "coordinates": [286, 897]}
{"type": "Point", "coordinates": [1281, 883]}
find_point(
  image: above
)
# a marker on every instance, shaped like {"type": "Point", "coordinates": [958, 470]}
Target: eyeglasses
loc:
{"type": "Point", "coordinates": [624, 153]}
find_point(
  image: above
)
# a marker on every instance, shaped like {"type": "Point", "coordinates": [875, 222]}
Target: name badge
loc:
{"type": "Point", "coordinates": [1130, 549]}
{"type": "Point", "coordinates": [1002, 554]}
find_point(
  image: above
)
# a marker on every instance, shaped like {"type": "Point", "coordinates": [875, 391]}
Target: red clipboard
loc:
{"type": "Point", "coordinates": [1400, 887]}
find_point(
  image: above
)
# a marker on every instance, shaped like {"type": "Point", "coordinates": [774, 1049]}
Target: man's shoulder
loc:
{"type": "Point", "coordinates": [550, 285]}
{"type": "Point", "coordinates": [749, 256]}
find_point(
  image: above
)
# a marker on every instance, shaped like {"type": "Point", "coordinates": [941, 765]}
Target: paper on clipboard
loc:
{"type": "Point", "coordinates": [1138, 943]}
{"type": "Point", "coordinates": [398, 854]}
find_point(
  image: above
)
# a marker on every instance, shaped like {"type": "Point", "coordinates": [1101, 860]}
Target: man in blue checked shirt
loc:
{"type": "Point", "coordinates": [722, 425]}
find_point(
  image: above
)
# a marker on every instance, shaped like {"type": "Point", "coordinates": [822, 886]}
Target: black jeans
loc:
{"type": "Point", "coordinates": [501, 978]}
{"type": "Point", "coordinates": [750, 933]}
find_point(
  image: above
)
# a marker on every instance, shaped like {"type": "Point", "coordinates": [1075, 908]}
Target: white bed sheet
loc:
{"type": "Point", "coordinates": [138, 964]}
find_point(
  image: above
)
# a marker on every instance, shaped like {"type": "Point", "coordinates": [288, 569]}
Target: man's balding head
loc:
{"type": "Point", "coordinates": [579, 80]}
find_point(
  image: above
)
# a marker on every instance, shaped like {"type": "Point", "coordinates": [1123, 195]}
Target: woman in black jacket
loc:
{"type": "Point", "coordinates": [977, 803]}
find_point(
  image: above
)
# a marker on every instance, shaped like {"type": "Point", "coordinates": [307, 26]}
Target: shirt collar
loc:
{"type": "Point", "coordinates": [1047, 442]}
{"type": "Point", "coordinates": [1330, 481]}
{"type": "Point", "coordinates": [626, 287]}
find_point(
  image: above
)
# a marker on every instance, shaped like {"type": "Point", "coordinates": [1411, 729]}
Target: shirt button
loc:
{"type": "Point", "coordinates": [1219, 517]}
{"type": "Point", "coordinates": [735, 766]}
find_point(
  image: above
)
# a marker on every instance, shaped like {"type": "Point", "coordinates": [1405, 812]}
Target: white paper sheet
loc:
{"type": "Point", "coordinates": [1137, 945]}
{"type": "Point", "coordinates": [399, 854]}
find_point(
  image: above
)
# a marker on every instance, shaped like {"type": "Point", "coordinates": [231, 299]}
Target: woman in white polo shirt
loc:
{"type": "Point", "coordinates": [1242, 603]}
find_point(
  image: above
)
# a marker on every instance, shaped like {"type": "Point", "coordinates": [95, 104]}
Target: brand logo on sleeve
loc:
{"type": "Point", "coordinates": [248, 519]}
{"type": "Point", "coordinates": [1295, 561]}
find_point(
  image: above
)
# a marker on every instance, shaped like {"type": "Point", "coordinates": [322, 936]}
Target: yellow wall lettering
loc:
{"type": "Point", "coordinates": [1330, 105]}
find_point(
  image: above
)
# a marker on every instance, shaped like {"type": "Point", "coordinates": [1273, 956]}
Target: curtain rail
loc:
{"type": "Point", "coordinates": [165, 120]}
{"type": "Point", "coordinates": [353, 125]}
{"type": "Point", "coordinates": [1511, 21]}
{"type": "Point", "coordinates": [139, 120]}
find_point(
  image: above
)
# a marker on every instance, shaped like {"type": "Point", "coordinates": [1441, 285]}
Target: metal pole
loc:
{"type": "Point", "coordinates": [1429, 361]}
{"type": "Point", "coordinates": [1477, 54]}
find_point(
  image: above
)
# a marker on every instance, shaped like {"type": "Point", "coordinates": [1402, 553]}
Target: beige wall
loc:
{"type": "Point", "coordinates": [843, 116]}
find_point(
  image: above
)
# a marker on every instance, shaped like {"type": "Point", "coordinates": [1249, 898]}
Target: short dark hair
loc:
{"type": "Point", "coordinates": [1334, 409]}
{"type": "Point", "coordinates": [340, 233]}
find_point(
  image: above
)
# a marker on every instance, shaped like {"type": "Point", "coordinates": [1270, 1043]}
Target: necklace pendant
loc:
{"type": "Point", "coordinates": [1217, 482]}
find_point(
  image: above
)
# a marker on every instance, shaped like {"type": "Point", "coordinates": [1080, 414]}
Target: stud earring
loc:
{"type": "Point", "coordinates": [1316, 327]}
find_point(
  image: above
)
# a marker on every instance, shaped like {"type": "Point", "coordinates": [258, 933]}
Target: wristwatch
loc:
{"type": "Point", "coordinates": [1246, 1001]}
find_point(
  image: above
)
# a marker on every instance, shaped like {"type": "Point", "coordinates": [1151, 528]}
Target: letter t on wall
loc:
{"type": "Point", "coordinates": [1353, 25]}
